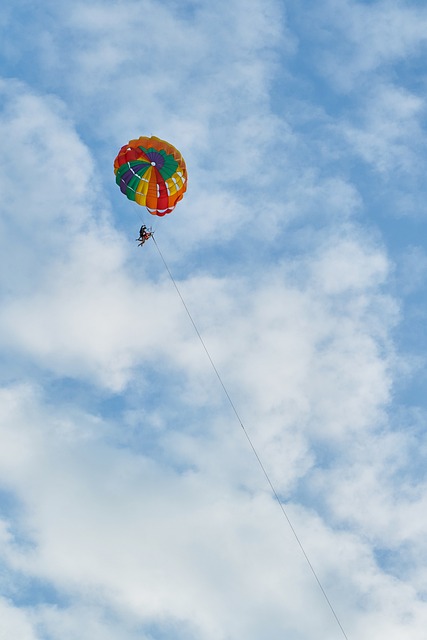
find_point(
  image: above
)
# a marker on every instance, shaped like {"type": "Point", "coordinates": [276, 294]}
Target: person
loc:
{"type": "Point", "coordinates": [144, 235]}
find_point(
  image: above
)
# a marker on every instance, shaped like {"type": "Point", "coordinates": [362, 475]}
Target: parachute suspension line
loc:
{"type": "Point", "coordinates": [151, 224]}
{"type": "Point", "coordinates": [282, 508]}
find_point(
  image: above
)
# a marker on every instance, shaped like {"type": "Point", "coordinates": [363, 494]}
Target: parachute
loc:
{"type": "Point", "coordinates": [151, 172]}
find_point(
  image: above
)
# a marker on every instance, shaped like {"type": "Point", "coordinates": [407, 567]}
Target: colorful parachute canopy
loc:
{"type": "Point", "coordinates": [151, 172]}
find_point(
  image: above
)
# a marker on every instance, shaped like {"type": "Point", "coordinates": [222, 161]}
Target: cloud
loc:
{"type": "Point", "coordinates": [178, 548]}
{"type": "Point", "coordinates": [47, 179]}
{"type": "Point", "coordinates": [390, 131]}
{"type": "Point", "coordinates": [370, 38]}
{"type": "Point", "coordinates": [15, 623]}
{"type": "Point", "coordinates": [131, 504]}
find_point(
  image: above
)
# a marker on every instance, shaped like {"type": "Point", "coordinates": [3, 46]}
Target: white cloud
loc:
{"type": "Point", "coordinates": [390, 130]}
{"type": "Point", "coordinates": [369, 37]}
{"type": "Point", "coordinates": [48, 183]}
{"type": "Point", "coordinates": [135, 496]}
{"type": "Point", "coordinates": [15, 623]}
{"type": "Point", "coordinates": [178, 547]}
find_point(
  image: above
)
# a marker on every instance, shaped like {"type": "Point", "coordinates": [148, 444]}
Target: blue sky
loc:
{"type": "Point", "coordinates": [131, 505]}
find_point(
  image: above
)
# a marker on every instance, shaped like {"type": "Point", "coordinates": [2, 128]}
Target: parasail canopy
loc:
{"type": "Point", "coordinates": [151, 172]}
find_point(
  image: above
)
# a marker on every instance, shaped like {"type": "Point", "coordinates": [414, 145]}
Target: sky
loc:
{"type": "Point", "coordinates": [132, 506]}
